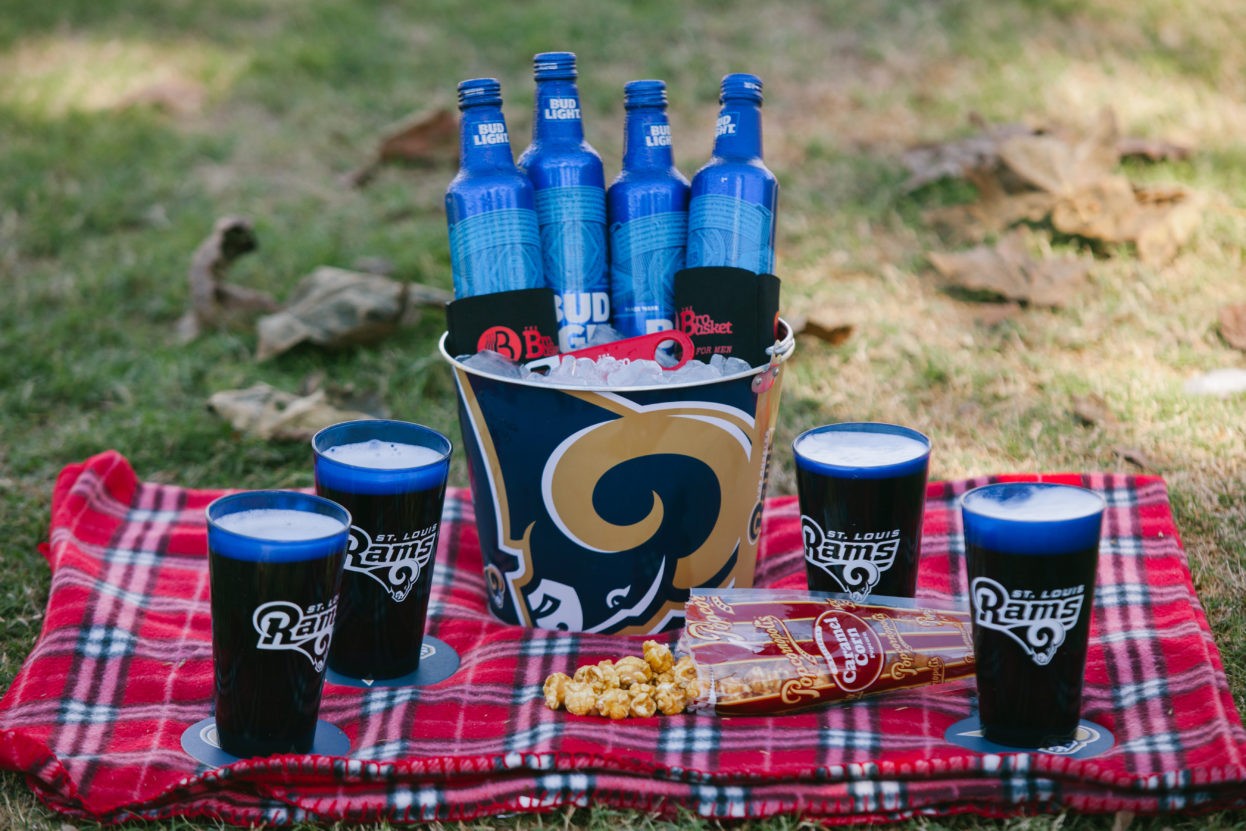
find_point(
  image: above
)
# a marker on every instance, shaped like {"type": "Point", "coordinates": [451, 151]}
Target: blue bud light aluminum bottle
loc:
{"type": "Point", "coordinates": [570, 202]}
{"type": "Point", "coordinates": [731, 217]}
{"type": "Point", "coordinates": [495, 241]}
{"type": "Point", "coordinates": [648, 209]}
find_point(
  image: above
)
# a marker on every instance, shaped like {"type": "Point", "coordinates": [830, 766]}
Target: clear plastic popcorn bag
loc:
{"type": "Point", "coordinates": [764, 651]}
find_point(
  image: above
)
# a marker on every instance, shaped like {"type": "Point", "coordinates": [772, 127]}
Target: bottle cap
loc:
{"type": "Point", "coordinates": [644, 94]}
{"type": "Point", "coordinates": [741, 86]}
{"type": "Point", "coordinates": [554, 66]}
{"type": "Point", "coordinates": [477, 91]}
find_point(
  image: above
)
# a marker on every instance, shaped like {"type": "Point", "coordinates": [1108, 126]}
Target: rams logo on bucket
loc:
{"type": "Point", "coordinates": [598, 511]}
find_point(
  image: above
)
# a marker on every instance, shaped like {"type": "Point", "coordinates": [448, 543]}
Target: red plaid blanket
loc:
{"type": "Point", "coordinates": [123, 667]}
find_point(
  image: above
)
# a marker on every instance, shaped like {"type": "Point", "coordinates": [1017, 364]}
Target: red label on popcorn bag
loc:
{"type": "Point", "coordinates": [760, 652]}
{"type": "Point", "coordinates": [853, 652]}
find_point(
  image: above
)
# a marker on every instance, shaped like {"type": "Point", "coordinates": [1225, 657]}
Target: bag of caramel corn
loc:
{"type": "Point", "coordinates": [765, 651]}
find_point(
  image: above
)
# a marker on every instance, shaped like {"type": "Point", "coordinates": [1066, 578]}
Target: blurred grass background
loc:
{"type": "Point", "coordinates": [127, 129]}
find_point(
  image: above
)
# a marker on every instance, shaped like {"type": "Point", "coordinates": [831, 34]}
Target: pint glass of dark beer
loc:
{"type": "Point", "coordinates": [391, 476]}
{"type": "Point", "coordinates": [275, 563]}
{"type": "Point", "coordinates": [862, 488]}
{"type": "Point", "coordinates": [1031, 550]}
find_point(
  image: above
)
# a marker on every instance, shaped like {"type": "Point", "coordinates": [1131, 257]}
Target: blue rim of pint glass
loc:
{"type": "Point", "coordinates": [1075, 531]}
{"type": "Point", "coordinates": [864, 471]}
{"type": "Point", "coordinates": [340, 476]}
{"type": "Point", "coordinates": [237, 546]}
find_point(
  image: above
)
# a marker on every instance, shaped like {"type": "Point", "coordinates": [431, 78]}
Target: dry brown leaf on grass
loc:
{"type": "Point", "coordinates": [823, 325]}
{"type": "Point", "coordinates": [1156, 221]}
{"type": "Point", "coordinates": [336, 308]}
{"type": "Point", "coordinates": [1136, 457]}
{"type": "Point", "coordinates": [1073, 183]}
{"type": "Point", "coordinates": [1093, 411]}
{"type": "Point", "coordinates": [1059, 164]}
{"type": "Point", "coordinates": [333, 307]}
{"type": "Point", "coordinates": [176, 96]}
{"type": "Point", "coordinates": [990, 216]}
{"type": "Point", "coordinates": [1152, 150]}
{"type": "Point", "coordinates": [1104, 210]}
{"type": "Point", "coordinates": [268, 413]}
{"type": "Point", "coordinates": [928, 163]}
{"type": "Point", "coordinates": [995, 212]}
{"type": "Point", "coordinates": [1233, 325]}
{"type": "Point", "coordinates": [1167, 218]}
{"type": "Point", "coordinates": [430, 138]}
{"type": "Point", "coordinates": [980, 150]}
{"type": "Point", "coordinates": [214, 302]}
{"type": "Point", "coordinates": [1008, 269]}
{"type": "Point", "coordinates": [994, 314]}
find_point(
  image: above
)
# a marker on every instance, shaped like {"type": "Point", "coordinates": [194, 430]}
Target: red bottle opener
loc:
{"type": "Point", "coordinates": [638, 348]}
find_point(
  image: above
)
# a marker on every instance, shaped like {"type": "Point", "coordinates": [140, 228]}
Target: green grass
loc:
{"type": "Point", "coordinates": [102, 203]}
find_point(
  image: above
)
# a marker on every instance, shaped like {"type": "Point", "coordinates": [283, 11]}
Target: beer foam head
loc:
{"type": "Point", "coordinates": [383, 455]}
{"type": "Point", "coordinates": [276, 526]}
{"type": "Point", "coordinates": [378, 456]}
{"type": "Point", "coordinates": [1032, 517]}
{"type": "Point", "coordinates": [862, 450]}
{"type": "Point", "coordinates": [280, 524]}
{"type": "Point", "coordinates": [1034, 501]}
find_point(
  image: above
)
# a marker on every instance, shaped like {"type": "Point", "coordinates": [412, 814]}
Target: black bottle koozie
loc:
{"type": "Point", "coordinates": [727, 311]}
{"type": "Point", "coordinates": [518, 324]}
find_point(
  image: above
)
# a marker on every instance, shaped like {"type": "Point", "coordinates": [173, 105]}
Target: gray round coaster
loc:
{"type": "Point", "coordinates": [1091, 740]}
{"type": "Point", "coordinates": [200, 743]}
{"type": "Point", "coordinates": [438, 661]}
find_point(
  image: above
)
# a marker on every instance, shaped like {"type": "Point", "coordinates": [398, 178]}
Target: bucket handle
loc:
{"type": "Point", "coordinates": [779, 352]}
{"type": "Point", "coordinates": [782, 348]}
